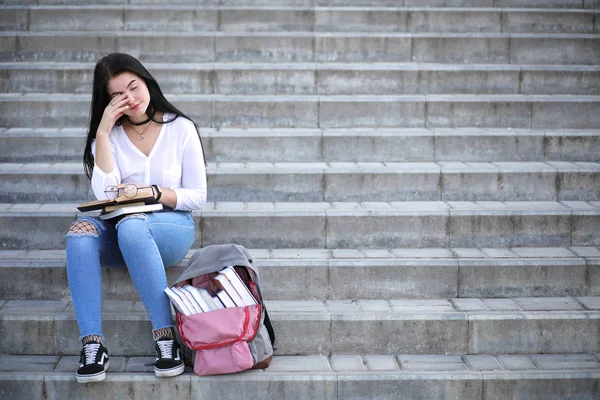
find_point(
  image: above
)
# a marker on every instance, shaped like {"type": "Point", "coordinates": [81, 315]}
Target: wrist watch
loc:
{"type": "Point", "coordinates": [158, 192]}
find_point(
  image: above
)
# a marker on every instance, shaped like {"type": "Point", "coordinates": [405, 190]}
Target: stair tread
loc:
{"type": "Point", "coordinates": [406, 365]}
{"type": "Point", "coordinates": [366, 257]}
{"type": "Point", "coordinates": [352, 66]}
{"type": "Point", "coordinates": [193, 6]}
{"type": "Point", "coordinates": [542, 308]}
{"type": "Point", "coordinates": [29, 97]}
{"type": "Point", "coordinates": [317, 132]}
{"type": "Point", "coordinates": [306, 34]}
{"type": "Point", "coordinates": [411, 207]}
{"type": "Point", "coordinates": [338, 167]}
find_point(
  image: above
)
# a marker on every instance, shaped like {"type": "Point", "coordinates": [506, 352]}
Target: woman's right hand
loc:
{"type": "Point", "coordinates": [113, 111]}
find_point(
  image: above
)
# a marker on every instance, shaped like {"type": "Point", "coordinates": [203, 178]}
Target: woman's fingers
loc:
{"type": "Point", "coordinates": [117, 106]}
{"type": "Point", "coordinates": [119, 100]}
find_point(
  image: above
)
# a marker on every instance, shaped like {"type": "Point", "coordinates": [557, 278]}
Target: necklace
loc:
{"type": "Point", "coordinates": [140, 123]}
{"type": "Point", "coordinates": [141, 134]}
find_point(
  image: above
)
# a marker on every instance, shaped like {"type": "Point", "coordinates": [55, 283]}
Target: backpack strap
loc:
{"type": "Point", "coordinates": [269, 326]}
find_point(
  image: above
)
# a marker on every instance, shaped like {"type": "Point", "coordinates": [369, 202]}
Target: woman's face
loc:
{"type": "Point", "coordinates": [137, 91]}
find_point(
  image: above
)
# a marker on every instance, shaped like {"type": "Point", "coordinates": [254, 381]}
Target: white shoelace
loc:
{"type": "Point", "coordinates": [166, 347]}
{"type": "Point", "coordinates": [91, 350]}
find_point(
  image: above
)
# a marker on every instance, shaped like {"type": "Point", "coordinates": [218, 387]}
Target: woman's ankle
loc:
{"type": "Point", "coordinates": [164, 333]}
{"type": "Point", "coordinates": [91, 338]}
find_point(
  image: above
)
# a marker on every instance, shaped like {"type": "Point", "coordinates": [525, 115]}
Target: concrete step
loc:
{"type": "Point", "coordinates": [338, 182]}
{"type": "Point", "coordinates": [34, 110]}
{"type": "Point", "coordinates": [344, 225]}
{"type": "Point", "coordinates": [352, 377]}
{"type": "Point", "coordinates": [25, 145]}
{"type": "Point", "coordinates": [436, 326]}
{"type": "Point", "coordinates": [587, 4]}
{"type": "Point", "coordinates": [319, 78]}
{"type": "Point", "coordinates": [327, 19]}
{"type": "Point", "coordinates": [157, 46]}
{"type": "Point", "coordinates": [338, 274]}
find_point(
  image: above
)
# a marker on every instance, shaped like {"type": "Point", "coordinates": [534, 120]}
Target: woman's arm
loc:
{"type": "Point", "coordinates": [105, 172]}
{"type": "Point", "coordinates": [192, 193]}
{"type": "Point", "coordinates": [104, 157]}
{"type": "Point", "coordinates": [168, 197]}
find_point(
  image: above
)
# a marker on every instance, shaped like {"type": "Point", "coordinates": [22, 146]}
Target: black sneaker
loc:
{"type": "Point", "coordinates": [93, 363]}
{"type": "Point", "coordinates": [169, 361]}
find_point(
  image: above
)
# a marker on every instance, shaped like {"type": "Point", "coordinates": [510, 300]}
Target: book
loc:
{"type": "Point", "coordinates": [114, 207]}
{"type": "Point", "coordinates": [208, 299]}
{"type": "Point", "coordinates": [94, 205]}
{"type": "Point", "coordinates": [177, 302]}
{"type": "Point", "coordinates": [223, 283]}
{"type": "Point", "coordinates": [225, 299]}
{"type": "Point", "coordinates": [218, 302]}
{"type": "Point", "coordinates": [195, 293]}
{"type": "Point", "coordinates": [191, 301]}
{"type": "Point", "coordinates": [239, 285]}
{"type": "Point", "coordinates": [131, 210]}
{"type": "Point", "coordinates": [144, 194]}
{"type": "Point", "coordinates": [185, 300]}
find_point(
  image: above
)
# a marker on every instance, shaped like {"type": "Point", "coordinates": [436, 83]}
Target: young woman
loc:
{"type": "Point", "coordinates": [135, 137]}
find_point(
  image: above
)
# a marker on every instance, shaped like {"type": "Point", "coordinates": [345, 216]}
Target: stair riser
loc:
{"type": "Point", "coordinates": [350, 147]}
{"type": "Point", "coordinates": [356, 186]}
{"type": "Point", "coordinates": [350, 280]}
{"type": "Point", "coordinates": [308, 334]}
{"type": "Point", "coordinates": [345, 229]}
{"type": "Point", "coordinates": [329, 113]}
{"type": "Point", "coordinates": [329, 82]}
{"type": "Point", "coordinates": [323, 385]}
{"type": "Point", "coordinates": [205, 47]}
{"type": "Point", "coordinates": [193, 19]}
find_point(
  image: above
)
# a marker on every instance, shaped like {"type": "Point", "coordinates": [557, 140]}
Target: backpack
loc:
{"type": "Point", "coordinates": [230, 339]}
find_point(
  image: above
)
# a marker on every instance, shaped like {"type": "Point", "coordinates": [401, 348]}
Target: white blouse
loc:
{"type": "Point", "coordinates": [175, 162]}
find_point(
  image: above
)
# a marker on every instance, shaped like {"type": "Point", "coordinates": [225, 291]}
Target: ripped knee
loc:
{"type": "Point", "coordinates": [136, 215]}
{"type": "Point", "coordinates": [83, 228]}
{"type": "Point", "coordinates": [129, 217]}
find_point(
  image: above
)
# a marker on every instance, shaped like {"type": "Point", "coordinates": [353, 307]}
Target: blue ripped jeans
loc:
{"type": "Point", "coordinates": [143, 243]}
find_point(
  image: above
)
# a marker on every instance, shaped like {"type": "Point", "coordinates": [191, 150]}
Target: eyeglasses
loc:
{"type": "Point", "coordinates": [129, 190]}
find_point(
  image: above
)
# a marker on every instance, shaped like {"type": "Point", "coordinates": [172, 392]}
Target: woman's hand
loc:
{"type": "Point", "coordinates": [113, 111]}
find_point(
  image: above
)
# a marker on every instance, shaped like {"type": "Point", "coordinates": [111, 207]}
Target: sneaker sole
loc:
{"type": "Point", "coordinates": [165, 373]}
{"type": "Point", "coordinates": [99, 377]}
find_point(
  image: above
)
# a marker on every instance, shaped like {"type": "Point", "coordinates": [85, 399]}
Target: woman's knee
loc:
{"type": "Point", "coordinates": [83, 227]}
{"type": "Point", "coordinates": [131, 226]}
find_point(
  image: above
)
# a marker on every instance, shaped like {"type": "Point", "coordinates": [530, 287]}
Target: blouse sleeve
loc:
{"type": "Point", "coordinates": [192, 193]}
{"type": "Point", "coordinates": [100, 179]}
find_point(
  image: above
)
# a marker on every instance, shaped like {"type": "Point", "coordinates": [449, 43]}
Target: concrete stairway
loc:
{"type": "Point", "coordinates": [419, 182]}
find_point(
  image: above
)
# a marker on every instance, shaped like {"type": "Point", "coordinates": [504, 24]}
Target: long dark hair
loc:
{"type": "Point", "coordinates": [111, 66]}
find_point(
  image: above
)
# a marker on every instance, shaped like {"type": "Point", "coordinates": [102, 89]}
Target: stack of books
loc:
{"type": "Point", "coordinates": [231, 292]}
{"type": "Point", "coordinates": [143, 201]}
